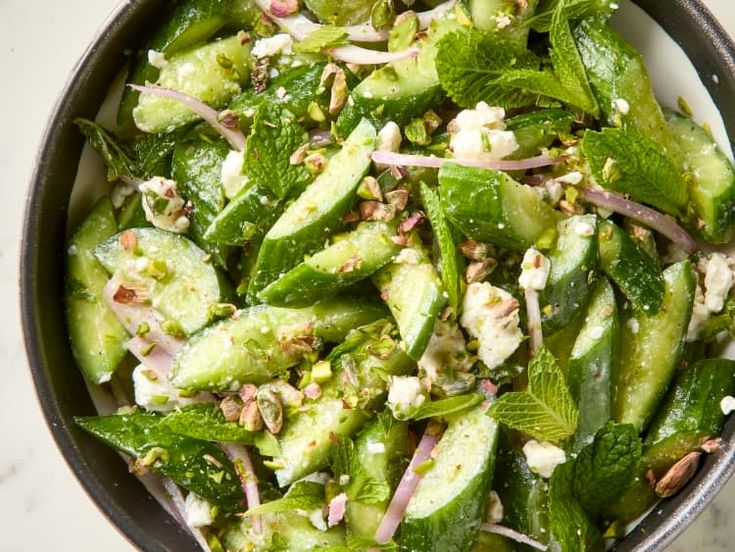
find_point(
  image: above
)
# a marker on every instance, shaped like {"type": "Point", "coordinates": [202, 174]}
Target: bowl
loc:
{"type": "Point", "coordinates": [59, 384]}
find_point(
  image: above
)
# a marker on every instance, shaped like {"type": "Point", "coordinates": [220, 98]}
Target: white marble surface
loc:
{"type": "Point", "coordinates": [41, 505]}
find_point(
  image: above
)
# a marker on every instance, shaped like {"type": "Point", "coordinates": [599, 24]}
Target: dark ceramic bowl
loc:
{"type": "Point", "coordinates": [61, 390]}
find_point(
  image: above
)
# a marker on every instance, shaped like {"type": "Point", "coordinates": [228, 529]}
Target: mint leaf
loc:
{"type": "Point", "coordinates": [119, 162]}
{"type": "Point", "coordinates": [570, 527]}
{"type": "Point", "coordinates": [322, 39]}
{"type": "Point", "coordinates": [568, 64]}
{"type": "Point", "coordinates": [546, 410]}
{"type": "Point", "coordinates": [469, 64]}
{"type": "Point", "coordinates": [275, 135]}
{"type": "Point", "coordinates": [607, 466]}
{"type": "Point", "coordinates": [303, 495]}
{"type": "Point", "coordinates": [575, 9]}
{"type": "Point", "coordinates": [450, 405]}
{"type": "Point", "coordinates": [629, 162]}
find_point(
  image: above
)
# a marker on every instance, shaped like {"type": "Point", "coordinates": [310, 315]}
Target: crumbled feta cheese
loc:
{"type": "Point", "coordinates": [490, 314]}
{"type": "Point", "coordinates": [494, 508]}
{"type": "Point", "coordinates": [717, 282]}
{"type": "Point", "coordinates": [446, 351]}
{"type": "Point", "coordinates": [232, 178]}
{"type": "Point", "coordinates": [573, 178]}
{"type": "Point", "coordinates": [157, 59]}
{"type": "Point", "coordinates": [120, 192]}
{"type": "Point", "coordinates": [480, 134]}
{"type": "Point", "coordinates": [535, 271]}
{"type": "Point", "coordinates": [621, 106]}
{"type": "Point", "coordinates": [163, 206]}
{"type": "Point", "coordinates": [542, 457]}
{"type": "Point", "coordinates": [404, 395]}
{"type": "Point", "coordinates": [555, 191]}
{"type": "Point", "coordinates": [155, 393]}
{"type": "Point", "coordinates": [502, 20]}
{"type": "Point", "coordinates": [266, 47]}
{"type": "Point", "coordinates": [727, 405]}
{"type": "Point", "coordinates": [700, 315]}
{"type": "Point", "coordinates": [198, 511]}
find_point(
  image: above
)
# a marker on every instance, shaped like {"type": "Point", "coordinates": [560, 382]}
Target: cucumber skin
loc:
{"type": "Point", "coordinates": [97, 338]}
{"type": "Point", "coordinates": [691, 412]}
{"type": "Point", "coordinates": [256, 205]}
{"type": "Point", "coordinates": [476, 201]}
{"type": "Point", "coordinates": [569, 288]}
{"type": "Point", "coordinates": [217, 358]}
{"type": "Point", "coordinates": [592, 372]}
{"type": "Point", "coordinates": [455, 526]}
{"type": "Point", "coordinates": [538, 129]}
{"type": "Point", "coordinates": [633, 270]}
{"type": "Point", "coordinates": [645, 372]}
{"type": "Point", "coordinates": [316, 279]}
{"type": "Point", "coordinates": [132, 214]}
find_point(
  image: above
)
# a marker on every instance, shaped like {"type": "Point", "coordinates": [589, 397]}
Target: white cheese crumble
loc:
{"type": "Point", "coordinates": [157, 59]}
{"type": "Point", "coordinates": [232, 178]}
{"type": "Point", "coordinates": [277, 44]}
{"type": "Point", "coordinates": [700, 315]}
{"type": "Point", "coordinates": [404, 395]}
{"type": "Point", "coordinates": [163, 206]}
{"type": "Point", "coordinates": [574, 177]}
{"type": "Point", "coordinates": [717, 282]}
{"type": "Point", "coordinates": [446, 351]}
{"type": "Point", "coordinates": [198, 511]}
{"type": "Point", "coordinates": [494, 508]}
{"type": "Point", "coordinates": [490, 315]}
{"type": "Point", "coordinates": [154, 393]}
{"type": "Point", "coordinates": [480, 134]}
{"type": "Point", "coordinates": [120, 193]}
{"type": "Point", "coordinates": [542, 457]}
{"type": "Point", "coordinates": [727, 405]}
{"type": "Point", "coordinates": [503, 20]}
{"type": "Point", "coordinates": [621, 106]}
{"type": "Point", "coordinates": [535, 270]}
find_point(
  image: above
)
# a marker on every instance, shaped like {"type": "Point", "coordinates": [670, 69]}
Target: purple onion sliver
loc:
{"type": "Point", "coordinates": [513, 535]}
{"type": "Point", "coordinates": [363, 56]}
{"type": "Point", "coordinates": [645, 215]}
{"type": "Point", "coordinates": [240, 457]}
{"type": "Point", "coordinates": [337, 508]}
{"type": "Point", "coordinates": [210, 115]}
{"type": "Point", "coordinates": [533, 314]}
{"type": "Point", "coordinates": [406, 160]}
{"type": "Point", "coordinates": [407, 487]}
{"type": "Point", "coordinates": [178, 505]}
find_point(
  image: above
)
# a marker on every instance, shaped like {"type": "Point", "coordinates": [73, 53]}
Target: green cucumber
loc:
{"type": "Point", "coordinates": [413, 292]}
{"type": "Point", "coordinates": [346, 12]}
{"type": "Point", "coordinates": [447, 509]}
{"type": "Point", "coordinates": [594, 361]}
{"type": "Point", "coordinates": [297, 534]}
{"type": "Point", "coordinates": [317, 212]}
{"type": "Point", "coordinates": [309, 435]}
{"type": "Point", "coordinates": [490, 206]}
{"type": "Point", "coordinates": [651, 349]}
{"type": "Point", "coordinates": [691, 413]}
{"type": "Point", "coordinates": [187, 289]}
{"type": "Point", "coordinates": [190, 22]}
{"type": "Point", "coordinates": [713, 179]}
{"type": "Point", "coordinates": [574, 261]}
{"type": "Point", "coordinates": [538, 129]}
{"type": "Point", "coordinates": [644, 238]}
{"type": "Point", "coordinates": [97, 338]}
{"type": "Point", "coordinates": [132, 214]}
{"type": "Point", "coordinates": [381, 453]}
{"type": "Point", "coordinates": [347, 261]}
{"type": "Point", "coordinates": [262, 342]}
{"type": "Point", "coordinates": [197, 169]}
{"type": "Point", "coordinates": [212, 73]}
{"type": "Point", "coordinates": [632, 270]}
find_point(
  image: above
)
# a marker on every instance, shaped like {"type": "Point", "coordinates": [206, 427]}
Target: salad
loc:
{"type": "Point", "coordinates": [384, 275]}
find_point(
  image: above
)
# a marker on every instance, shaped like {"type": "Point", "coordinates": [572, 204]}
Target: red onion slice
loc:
{"type": "Point", "coordinates": [178, 504]}
{"type": "Point", "coordinates": [155, 359]}
{"type": "Point", "coordinates": [364, 56]}
{"type": "Point", "coordinates": [337, 507]}
{"type": "Point", "coordinates": [240, 457]}
{"type": "Point", "coordinates": [661, 223]}
{"type": "Point", "coordinates": [210, 115]}
{"type": "Point", "coordinates": [407, 160]}
{"type": "Point", "coordinates": [513, 535]}
{"type": "Point", "coordinates": [533, 314]}
{"type": "Point", "coordinates": [407, 487]}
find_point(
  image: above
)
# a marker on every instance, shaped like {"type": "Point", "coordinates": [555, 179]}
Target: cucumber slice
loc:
{"type": "Point", "coordinates": [691, 413]}
{"type": "Point", "coordinates": [132, 214]}
{"type": "Point", "coordinates": [254, 345]}
{"type": "Point", "coordinates": [448, 506]}
{"type": "Point", "coordinates": [97, 338]}
{"type": "Point", "coordinates": [538, 129]}
{"type": "Point", "coordinates": [651, 348]}
{"type": "Point", "coordinates": [713, 182]}
{"type": "Point", "coordinates": [633, 270]}
{"type": "Point", "coordinates": [317, 212]}
{"type": "Point", "coordinates": [212, 73]}
{"type": "Point", "coordinates": [310, 434]}
{"type": "Point", "coordinates": [490, 206]}
{"type": "Point", "coordinates": [188, 289]}
{"type": "Point", "coordinates": [593, 363]}
{"type": "Point", "coordinates": [346, 12]}
{"type": "Point", "coordinates": [570, 285]}
{"type": "Point", "coordinates": [413, 291]}
{"type": "Point", "coordinates": [347, 261]}
{"type": "Point", "coordinates": [249, 215]}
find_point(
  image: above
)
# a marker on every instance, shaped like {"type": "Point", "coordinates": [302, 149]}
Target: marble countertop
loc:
{"type": "Point", "coordinates": [42, 507]}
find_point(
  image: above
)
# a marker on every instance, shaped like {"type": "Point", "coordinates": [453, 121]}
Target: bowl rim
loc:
{"type": "Point", "coordinates": [710, 479]}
